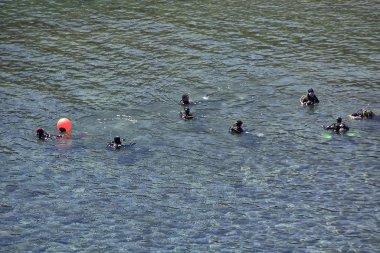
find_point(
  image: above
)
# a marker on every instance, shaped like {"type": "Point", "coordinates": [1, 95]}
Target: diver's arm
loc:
{"type": "Point", "coordinates": [233, 129]}
{"type": "Point", "coordinates": [304, 99]}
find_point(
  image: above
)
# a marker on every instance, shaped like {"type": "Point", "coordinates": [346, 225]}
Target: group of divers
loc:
{"type": "Point", "coordinates": [310, 99]}
{"type": "Point", "coordinates": [339, 127]}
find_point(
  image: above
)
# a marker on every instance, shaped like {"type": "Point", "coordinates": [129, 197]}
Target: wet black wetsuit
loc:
{"type": "Point", "coordinates": [42, 135]}
{"type": "Point", "coordinates": [310, 100]}
{"type": "Point", "coordinates": [338, 127]}
{"type": "Point", "coordinates": [236, 129]}
{"type": "Point", "coordinates": [185, 115]}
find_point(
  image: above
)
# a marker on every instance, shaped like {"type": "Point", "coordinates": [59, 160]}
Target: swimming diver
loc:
{"type": "Point", "coordinates": [62, 132]}
{"type": "Point", "coordinates": [363, 114]}
{"type": "Point", "coordinates": [185, 100]}
{"type": "Point", "coordinates": [41, 134]}
{"type": "Point", "coordinates": [338, 126]}
{"type": "Point", "coordinates": [186, 114]}
{"type": "Point", "coordinates": [310, 98]}
{"type": "Point", "coordinates": [117, 144]}
{"type": "Point", "coordinates": [236, 128]}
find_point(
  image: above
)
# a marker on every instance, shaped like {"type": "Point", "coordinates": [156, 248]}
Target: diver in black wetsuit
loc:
{"type": "Point", "coordinates": [117, 144]}
{"type": "Point", "coordinates": [338, 126]}
{"type": "Point", "coordinates": [62, 132]}
{"type": "Point", "coordinates": [186, 114]}
{"type": "Point", "coordinates": [185, 100]}
{"type": "Point", "coordinates": [236, 128]}
{"type": "Point", "coordinates": [363, 114]}
{"type": "Point", "coordinates": [310, 98]}
{"type": "Point", "coordinates": [41, 134]}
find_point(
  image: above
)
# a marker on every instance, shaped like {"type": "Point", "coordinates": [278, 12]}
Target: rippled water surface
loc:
{"type": "Point", "coordinates": [120, 68]}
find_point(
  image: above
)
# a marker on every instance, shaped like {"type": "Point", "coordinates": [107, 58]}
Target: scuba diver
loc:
{"type": "Point", "coordinates": [117, 144]}
{"type": "Point", "coordinates": [62, 132]}
{"type": "Point", "coordinates": [338, 126]}
{"type": "Point", "coordinates": [41, 134]}
{"type": "Point", "coordinates": [186, 114]}
{"type": "Point", "coordinates": [185, 100]}
{"type": "Point", "coordinates": [310, 98]}
{"type": "Point", "coordinates": [236, 128]}
{"type": "Point", "coordinates": [363, 114]}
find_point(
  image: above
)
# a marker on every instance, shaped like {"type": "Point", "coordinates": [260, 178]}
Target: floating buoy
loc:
{"type": "Point", "coordinates": [64, 123]}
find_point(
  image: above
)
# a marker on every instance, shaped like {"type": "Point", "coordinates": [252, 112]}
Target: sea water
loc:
{"type": "Point", "coordinates": [119, 68]}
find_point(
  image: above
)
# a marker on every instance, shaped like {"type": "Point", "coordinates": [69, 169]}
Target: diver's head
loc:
{"type": "Point", "coordinates": [239, 123]}
{"type": "Point", "coordinates": [310, 92]}
{"type": "Point", "coordinates": [339, 120]}
{"type": "Point", "coordinates": [187, 111]}
{"type": "Point", "coordinates": [185, 99]}
{"type": "Point", "coordinates": [40, 132]}
{"type": "Point", "coordinates": [117, 140]}
{"type": "Point", "coordinates": [62, 130]}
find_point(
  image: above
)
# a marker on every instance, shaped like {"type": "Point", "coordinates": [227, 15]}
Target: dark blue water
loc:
{"type": "Point", "coordinates": [120, 68]}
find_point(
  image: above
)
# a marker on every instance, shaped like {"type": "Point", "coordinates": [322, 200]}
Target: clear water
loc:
{"type": "Point", "coordinates": [120, 68]}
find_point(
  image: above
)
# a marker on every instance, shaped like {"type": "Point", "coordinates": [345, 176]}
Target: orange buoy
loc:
{"type": "Point", "coordinates": [64, 123]}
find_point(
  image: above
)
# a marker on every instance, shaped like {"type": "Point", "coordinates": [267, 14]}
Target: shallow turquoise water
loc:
{"type": "Point", "coordinates": [119, 68]}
